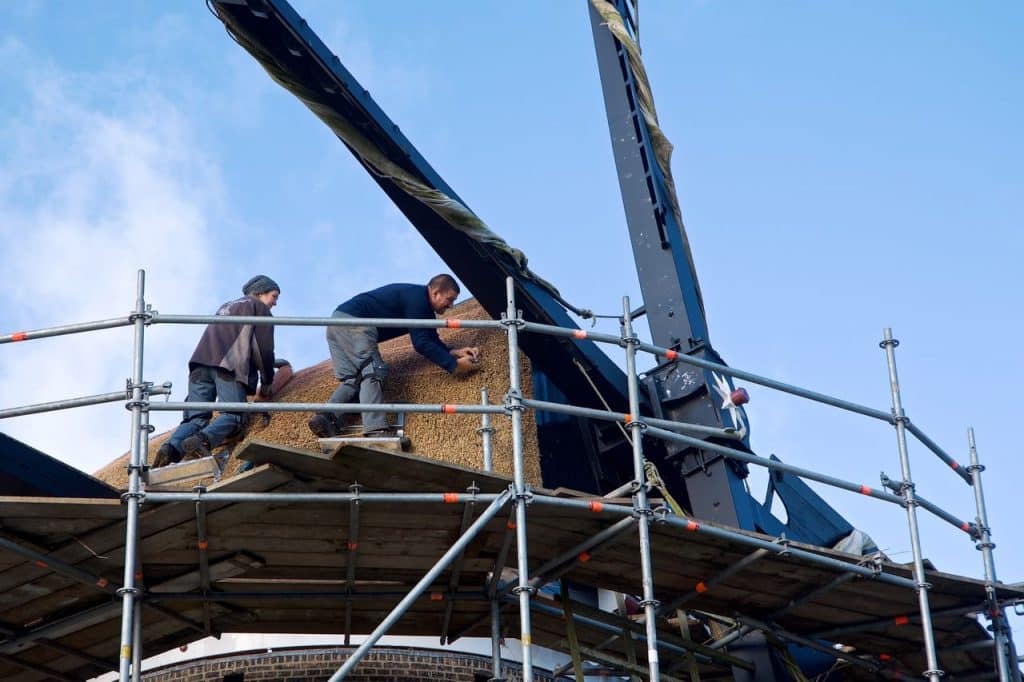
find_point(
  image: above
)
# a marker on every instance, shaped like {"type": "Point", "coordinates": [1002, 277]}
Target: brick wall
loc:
{"type": "Point", "coordinates": [382, 664]}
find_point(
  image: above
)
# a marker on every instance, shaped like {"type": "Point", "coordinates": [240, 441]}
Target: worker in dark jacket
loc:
{"type": "Point", "coordinates": [356, 359]}
{"type": "Point", "coordinates": [226, 365]}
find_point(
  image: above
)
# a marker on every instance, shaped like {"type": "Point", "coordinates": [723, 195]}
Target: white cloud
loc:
{"type": "Point", "coordinates": [101, 176]}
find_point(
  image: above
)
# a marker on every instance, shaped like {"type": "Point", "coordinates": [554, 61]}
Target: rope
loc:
{"type": "Point", "coordinates": [654, 477]}
{"type": "Point", "coordinates": [791, 666]}
{"type": "Point", "coordinates": [373, 158]}
{"type": "Point", "coordinates": [599, 395]}
{"type": "Point", "coordinates": [774, 641]}
{"type": "Point", "coordinates": [825, 676]}
{"type": "Point", "coordinates": [650, 470]}
{"type": "Point", "coordinates": [662, 147]}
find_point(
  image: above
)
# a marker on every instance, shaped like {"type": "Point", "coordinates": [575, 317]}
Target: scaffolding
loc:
{"type": "Point", "coordinates": [637, 516]}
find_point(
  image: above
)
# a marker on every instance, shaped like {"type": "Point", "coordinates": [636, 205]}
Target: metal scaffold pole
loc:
{"type": "Point", "coordinates": [486, 432]}
{"type": "Point", "coordinates": [425, 582]}
{"type": "Point", "coordinates": [996, 615]}
{"type": "Point", "coordinates": [640, 505]}
{"type": "Point", "coordinates": [933, 673]}
{"type": "Point", "coordinates": [495, 642]}
{"type": "Point", "coordinates": [136, 651]}
{"type": "Point", "coordinates": [129, 593]}
{"type": "Point", "coordinates": [137, 642]}
{"type": "Point", "coordinates": [521, 495]}
{"type": "Point", "coordinates": [112, 397]}
{"type": "Point", "coordinates": [145, 430]}
{"type": "Point", "coordinates": [522, 590]}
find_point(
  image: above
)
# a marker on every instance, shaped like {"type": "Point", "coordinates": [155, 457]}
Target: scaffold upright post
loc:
{"type": "Point", "coordinates": [486, 431]}
{"type": "Point", "coordinates": [495, 641]}
{"type": "Point", "coordinates": [996, 616]}
{"type": "Point", "coordinates": [933, 673]}
{"type": "Point", "coordinates": [137, 642]}
{"type": "Point", "coordinates": [128, 591]}
{"type": "Point", "coordinates": [521, 495]}
{"type": "Point", "coordinates": [641, 506]}
{"type": "Point", "coordinates": [425, 582]}
{"type": "Point", "coordinates": [145, 429]}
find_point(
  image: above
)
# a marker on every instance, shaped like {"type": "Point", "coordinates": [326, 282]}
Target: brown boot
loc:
{"type": "Point", "coordinates": [323, 426]}
{"type": "Point", "coordinates": [196, 447]}
{"type": "Point", "coordinates": [167, 454]}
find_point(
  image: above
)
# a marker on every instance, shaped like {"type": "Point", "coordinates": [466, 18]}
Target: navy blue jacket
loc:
{"type": "Point", "coordinates": [409, 301]}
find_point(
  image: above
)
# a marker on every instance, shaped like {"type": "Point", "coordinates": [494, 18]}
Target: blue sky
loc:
{"type": "Point", "coordinates": [841, 168]}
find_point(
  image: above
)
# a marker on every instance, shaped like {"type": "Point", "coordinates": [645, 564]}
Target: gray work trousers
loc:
{"type": "Point", "coordinates": [358, 366]}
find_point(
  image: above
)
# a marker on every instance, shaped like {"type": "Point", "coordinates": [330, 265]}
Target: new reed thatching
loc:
{"type": "Point", "coordinates": [412, 379]}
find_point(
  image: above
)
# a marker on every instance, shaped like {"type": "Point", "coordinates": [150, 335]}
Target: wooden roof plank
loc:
{"type": "Point", "coordinates": [110, 537]}
{"type": "Point", "coordinates": [376, 469]}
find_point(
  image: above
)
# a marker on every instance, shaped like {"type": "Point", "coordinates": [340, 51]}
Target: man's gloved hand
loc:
{"type": "Point", "coordinates": [266, 391]}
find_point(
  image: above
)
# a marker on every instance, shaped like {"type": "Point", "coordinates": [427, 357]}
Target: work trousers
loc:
{"type": "Point", "coordinates": [358, 366]}
{"type": "Point", "coordinates": [205, 385]}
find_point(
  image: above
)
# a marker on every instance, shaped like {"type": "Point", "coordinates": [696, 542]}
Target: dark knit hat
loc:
{"type": "Point", "coordinates": [260, 284]}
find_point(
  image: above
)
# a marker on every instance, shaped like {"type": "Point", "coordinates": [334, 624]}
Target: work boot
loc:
{"type": "Point", "coordinates": [323, 426]}
{"type": "Point", "coordinates": [196, 447]}
{"type": "Point", "coordinates": [167, 454]}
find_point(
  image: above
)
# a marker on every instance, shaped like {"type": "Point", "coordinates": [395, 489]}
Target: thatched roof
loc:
{"type": "Point", "coordinates": [413, 379]}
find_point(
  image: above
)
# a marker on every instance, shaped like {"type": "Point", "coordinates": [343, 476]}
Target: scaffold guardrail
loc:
{"type": "Point", "coordinates": [138, 392]}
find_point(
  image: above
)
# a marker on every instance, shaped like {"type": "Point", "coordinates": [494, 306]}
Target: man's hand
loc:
{"type": "Point", "coordinates": [465, 365]}
{"type": "Point", "coordinates": [471, 352]}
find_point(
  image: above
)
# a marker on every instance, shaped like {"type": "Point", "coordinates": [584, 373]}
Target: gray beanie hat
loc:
{"type": "Point", "coordinates": [260, 284]}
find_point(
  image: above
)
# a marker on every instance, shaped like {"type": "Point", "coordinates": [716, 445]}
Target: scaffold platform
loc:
{"type": "Point", "coordinates": [210, 566]}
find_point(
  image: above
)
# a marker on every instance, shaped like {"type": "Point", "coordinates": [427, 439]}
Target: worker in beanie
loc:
{"type": "Point", "coordinates": [227, 364]}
